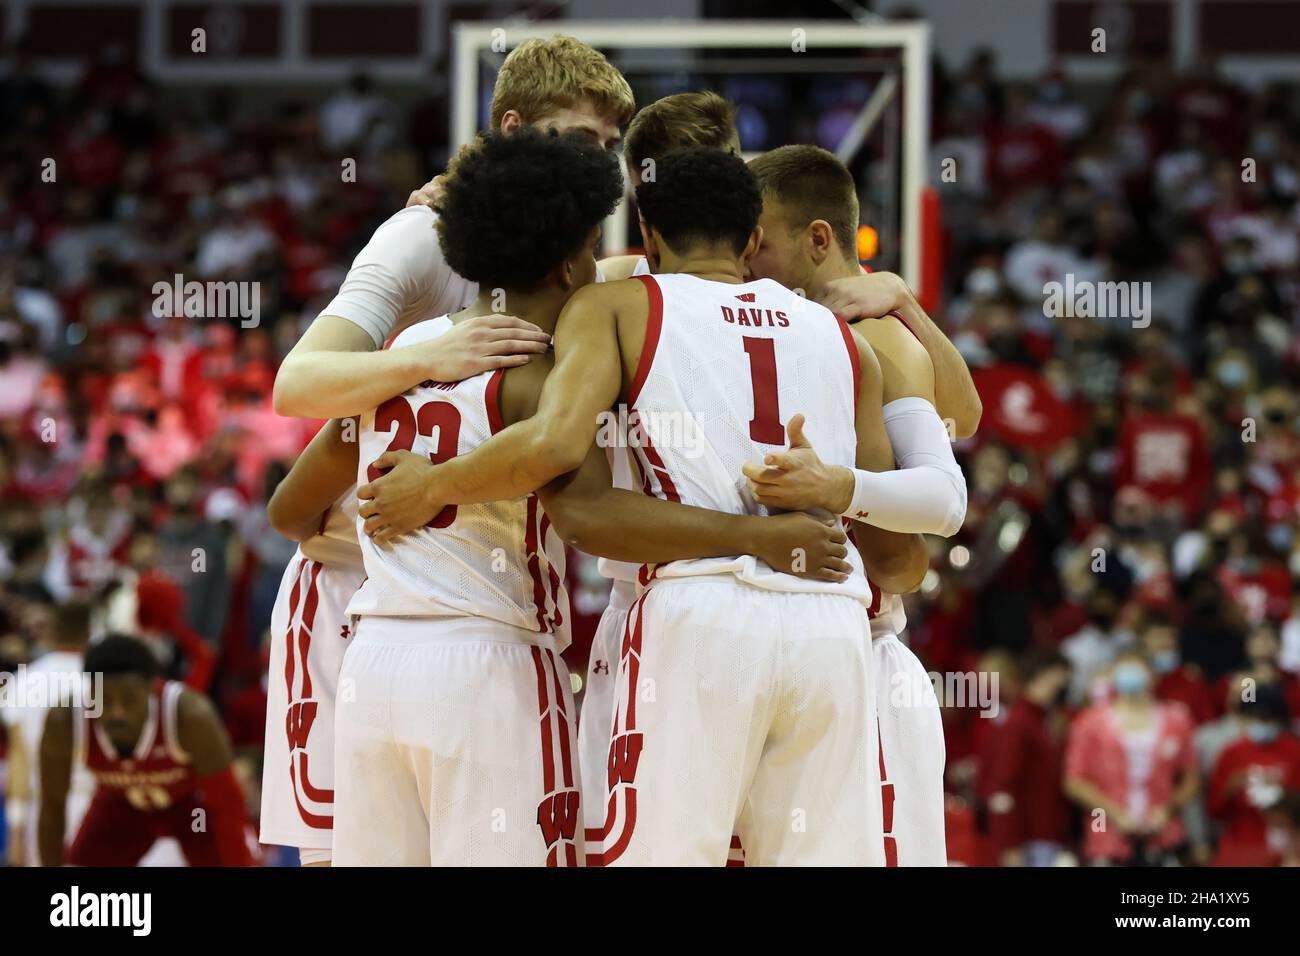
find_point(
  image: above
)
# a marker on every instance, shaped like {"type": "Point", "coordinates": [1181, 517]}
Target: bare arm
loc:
{"type": "Point", "coordinates": [18, 795]}
{"type": "Point", "coordinates": [875, 295]}
{"type": "Point", "coordinates": [203, 737]}
{"type": "Point", "coordinates": [56, 778]}
{"type": "Point", "coordinates": [527, 455]}
{"type": "Point", "coordinates": [893, 561]}
{"type": "Point", "coordinates": [326, 468]}
{"type": "Point", "coordinates": [333, 371]}
{"type": "Point", "coordinates": [595, 517]}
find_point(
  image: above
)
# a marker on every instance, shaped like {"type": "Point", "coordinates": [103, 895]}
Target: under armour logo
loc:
{"type": "Point", "coordinates": [862, 514]}
{"type": "Point", "coordinates": [600, 667]}
{"type": "Point", "coordinates": [345, 632]}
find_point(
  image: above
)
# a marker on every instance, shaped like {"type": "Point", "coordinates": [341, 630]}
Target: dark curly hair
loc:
{"type": "Point", "coordinates": [121, 654]}
{"type": "Point", "coordinates": [701, 194]}
{"type": "Point", "coordinates": [516, 205]}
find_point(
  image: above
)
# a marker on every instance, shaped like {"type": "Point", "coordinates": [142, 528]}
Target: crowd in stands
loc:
{"type": "Point", "coordinates": [1127, 570]}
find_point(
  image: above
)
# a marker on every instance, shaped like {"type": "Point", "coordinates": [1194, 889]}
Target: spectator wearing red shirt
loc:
{"type": "Point", "coordinates": [1130, 764]}
{"type": "Point", "coordinates": [1176, 682]}
{"type": "Point", "coordinates": [1028, 816]}
{"type": "Point", "coordinates": [1021, 152]}
{"type": "Point", "coordinates": [1251, 777]}
{"type": "Point", "coordinates": [1163, 452]}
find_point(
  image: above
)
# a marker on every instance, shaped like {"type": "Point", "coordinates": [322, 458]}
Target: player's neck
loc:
{"type": "Point", "coordinates": [542, 308]}
{"type": "Point", "coordinates": [835, 267]}
{"type": "Point", "coordinates": [712, 267]}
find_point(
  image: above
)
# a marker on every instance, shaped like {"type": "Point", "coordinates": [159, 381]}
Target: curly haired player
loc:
{"type": "Point", "coordinates": [761, 677]}
{"type": "Point", "coordinates": [460, 624]}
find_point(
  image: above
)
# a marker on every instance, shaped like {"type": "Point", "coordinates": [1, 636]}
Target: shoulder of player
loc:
{"type": "Point", "coordinates": [421, 331]}
{"type": "Point", "coordinates": [408, 237]}
{"type": "Point", "coordinates": [898, 350]}
{"type": "Point", "coordinates": [521, 387]}
{"type": "Point", "coordinates": [193, 712]}
{"type": "Point", "coordinates": [889, 334]}
{"type": "Point", "coordinates": [617, 268]}
{"type": "Point", "coordinates": [615, 296]}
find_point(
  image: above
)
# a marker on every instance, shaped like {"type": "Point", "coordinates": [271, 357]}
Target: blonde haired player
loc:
{"type": "Point", "coordinates": [400, 277]}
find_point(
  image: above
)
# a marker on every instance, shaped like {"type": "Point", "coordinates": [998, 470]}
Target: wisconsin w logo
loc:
{"type": "Point", "coordinates": [557, 815]}
{"type": "Point", "coordinates": [624, 752]}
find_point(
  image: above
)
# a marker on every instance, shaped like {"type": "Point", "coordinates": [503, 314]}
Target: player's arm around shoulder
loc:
{"type": "Point", "coordinates": [326, 468]}
{"type": "Point", "coordinates": [593, 516]}
{"type": "Point", "coordinates": [588, 374]}
{"type": "Point", "coordinates": [56, 758]}
{"type": "Point", "coordinates": [894, 561]}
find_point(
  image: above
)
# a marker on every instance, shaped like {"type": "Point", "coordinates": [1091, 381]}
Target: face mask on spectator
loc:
{"type": "Point", "coordinates": [1231, 374]}
{"type": "Point", "coordinates": [1164, 662]}
{"type": "Point", "coordinates": [1280, 536]}
{"type": "Point", "coordinates": [1262, 733]}
{"type": "Point", "coordinates": [1130, 679]}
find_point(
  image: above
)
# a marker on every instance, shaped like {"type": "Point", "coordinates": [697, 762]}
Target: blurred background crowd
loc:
{"type": "Point", "coordinates": [1127, 568]}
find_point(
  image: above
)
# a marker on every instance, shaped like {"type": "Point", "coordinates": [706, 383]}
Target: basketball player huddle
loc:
{"type": "Point", "coordinates": [759, 506]}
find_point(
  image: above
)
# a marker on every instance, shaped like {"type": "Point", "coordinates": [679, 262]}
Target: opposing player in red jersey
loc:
{"type": "Point", "coordinates": [162, 766]}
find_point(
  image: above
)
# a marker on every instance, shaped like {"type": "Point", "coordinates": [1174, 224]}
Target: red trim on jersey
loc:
{"type": "Point", "coordinates": [534, 563]}
{"type": "Point", "coordinates": [492, 399]}
{"type": "Point", "coordinates": [887, 805]}
{"type": "Point", "coordinates": [558, 810]}
{"type": "Point", "coordinates": [907, 325]}
{"type": "Point", "coordinates": [316, 821]}
{"type": "Point", "coordinates": [625, 749]}
{"type": "Point", "coordinates": [288, 637]}
{"type": "Point", "coordinates": [309, 605]}
{"type": "Point", "coordinates": [851, 344]}
{"type": "Point", "coordinates": [557, 616]}
{"type": "Point", "coordinates": [544, 716]}
{"type": "Point", "coordinates": [566, 756]}
{"type": "Point", "coordinates": [660, 469]}
{"type": "Point", "coordinates": [653, 326]}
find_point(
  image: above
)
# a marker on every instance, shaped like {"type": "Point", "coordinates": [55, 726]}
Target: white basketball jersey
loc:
{"type": "Point", "coordinates": [336, 545]}
{"type": "Point", "coordinates": [723, 368]}
{"type": "Point", "coordinates": [501, 560]}
{"type": "Point", "coordinates": [889, 617]}
{"type": "Point", "coordinates": [620, 467]}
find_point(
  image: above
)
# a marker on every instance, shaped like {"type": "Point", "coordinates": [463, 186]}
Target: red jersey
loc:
{"type": "Point", "coordinates": [156, 774]}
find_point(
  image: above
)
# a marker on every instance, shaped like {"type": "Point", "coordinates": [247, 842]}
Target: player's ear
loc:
{"type": "Point", "coordinates": [752, 246]}
{"type": "Point", "coordinates": [650, 242]}
{"type": "Point", "coordinates": [565, 275]}
{"type": "Point", "coordinates": [511, 121]}
{"type": "Point", "coordinates": [820, 240]}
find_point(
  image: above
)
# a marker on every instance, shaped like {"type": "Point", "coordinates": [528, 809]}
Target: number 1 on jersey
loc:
{"type": "Point", "coordinates": [765, 427]}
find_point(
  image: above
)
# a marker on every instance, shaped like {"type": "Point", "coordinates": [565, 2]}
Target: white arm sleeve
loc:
{"type": "Point", "coordinates": [400, 277]}
{"type": "Point", "coordinates": [927, 494]}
